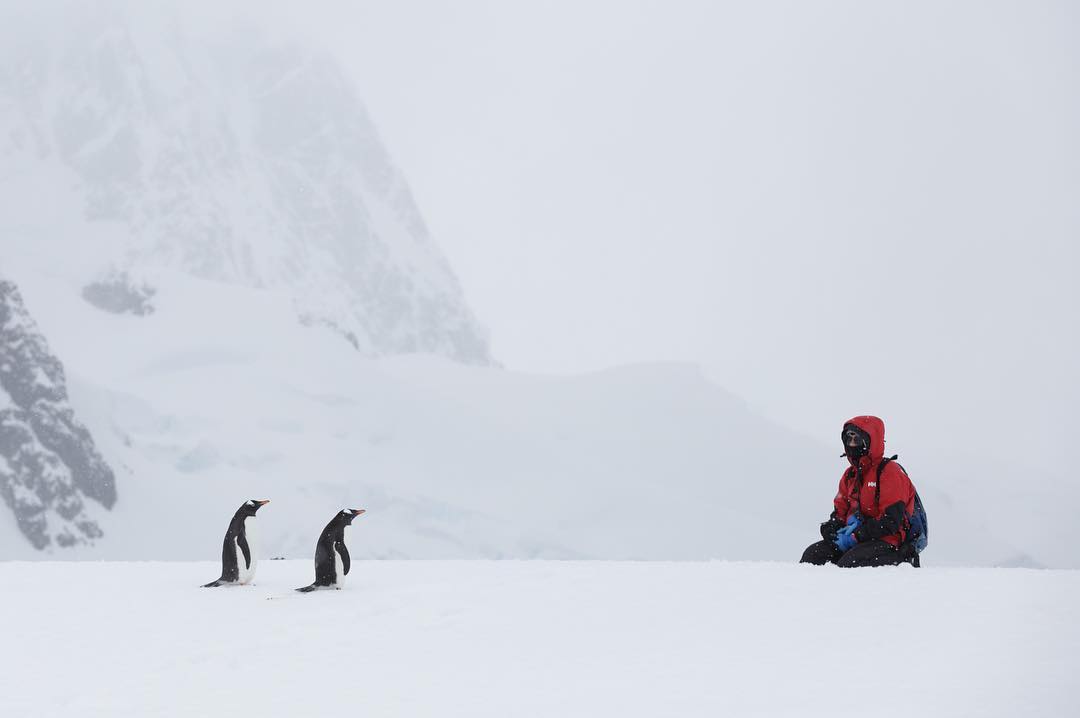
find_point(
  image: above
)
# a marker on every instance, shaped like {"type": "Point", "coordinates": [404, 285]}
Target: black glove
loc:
{"type": "Point", "coordinates": [889, 524]}
{"type": "Point", "coordinates": [830, 527]}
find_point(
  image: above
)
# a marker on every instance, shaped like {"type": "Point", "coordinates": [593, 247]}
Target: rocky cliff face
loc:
{"type": "Point", "coordinates": [49, 465]}
{"type": "Point", "coordinates": [152, 143]}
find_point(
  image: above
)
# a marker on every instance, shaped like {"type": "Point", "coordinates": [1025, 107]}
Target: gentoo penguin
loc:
{"type": "Point", "coordinates": [331, 556]}
{"type": "Point", "coordinates": [238, 550]}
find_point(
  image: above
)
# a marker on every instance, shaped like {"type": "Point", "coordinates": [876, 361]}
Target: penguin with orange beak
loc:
{"type": "Point", "coordinates": [332, 560]}
{"type": "Point", "coordinates": [238, 549]}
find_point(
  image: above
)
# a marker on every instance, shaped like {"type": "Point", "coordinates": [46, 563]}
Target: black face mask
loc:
{"type": "Point", "coordinates": [856, 442]}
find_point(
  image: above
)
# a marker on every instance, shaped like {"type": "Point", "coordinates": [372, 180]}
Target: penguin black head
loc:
{"type": "Point", "coordinates": [346, 516]}
{"type": "Point", "coordinates": [250, 507]}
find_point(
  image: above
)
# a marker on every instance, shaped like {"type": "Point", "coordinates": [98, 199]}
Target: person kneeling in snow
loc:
{"type": "Point", "coordinates": [873, 507]}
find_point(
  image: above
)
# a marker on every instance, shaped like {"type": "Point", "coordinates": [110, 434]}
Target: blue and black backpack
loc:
{"type": "Point", "coordinates": [918, 535]}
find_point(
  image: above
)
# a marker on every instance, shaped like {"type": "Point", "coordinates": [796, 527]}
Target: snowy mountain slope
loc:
{"type": "Point", "coordinates": [480, 638]}
{"type": "Point", "coordinates": [132, 139]}
{"type": "Point", "coordinates": [453, 461]}
{"type": "Point", "coordinates": [49, 464]}
{"type": "Point", "coordinates": [218, 395]}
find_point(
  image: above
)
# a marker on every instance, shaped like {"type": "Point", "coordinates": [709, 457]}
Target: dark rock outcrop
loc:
{"type": "Point", "coordinates": [49, 464]}
{"type": "Point", "coordinates": [119, 294]}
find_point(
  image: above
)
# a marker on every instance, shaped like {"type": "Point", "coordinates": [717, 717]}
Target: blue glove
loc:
{"type": "Point", "coordinates": [845, 540]}
{"type": "Point", "coordinates": [845, 537]}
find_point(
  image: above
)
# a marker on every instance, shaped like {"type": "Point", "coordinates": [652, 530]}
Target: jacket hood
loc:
{"type": "Point", "coordinates": [875, 427]}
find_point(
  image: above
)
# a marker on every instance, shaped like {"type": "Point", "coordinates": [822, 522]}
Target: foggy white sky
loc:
{"type": "Point", "coordinates": [836, 207]}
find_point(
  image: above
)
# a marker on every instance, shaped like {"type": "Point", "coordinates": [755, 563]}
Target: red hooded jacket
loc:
{"type": "Point", "coordinates": [858, 487]}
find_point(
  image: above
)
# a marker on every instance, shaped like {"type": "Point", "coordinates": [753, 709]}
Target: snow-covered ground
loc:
{"type": "Point", "coordinates": [538, 638]}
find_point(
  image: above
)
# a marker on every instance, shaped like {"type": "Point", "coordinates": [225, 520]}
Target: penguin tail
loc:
{"type": "Point", "coordinates": [213, 584]}
{"type": "Point", "coordinates": [307, 589]}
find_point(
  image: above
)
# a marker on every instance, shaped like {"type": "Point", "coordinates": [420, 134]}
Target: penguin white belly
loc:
{"type": "Point", "coordinates": [246, 573]}
{"type": "Point", "coordinates": [339, 570]}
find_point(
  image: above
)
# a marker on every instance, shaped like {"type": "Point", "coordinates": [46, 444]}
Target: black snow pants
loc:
{"type": "Point", "coordinates": [867, 553]}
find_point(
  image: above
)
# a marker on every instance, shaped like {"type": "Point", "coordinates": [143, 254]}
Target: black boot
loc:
{"type": "Point", "coordinates": [821, 553]}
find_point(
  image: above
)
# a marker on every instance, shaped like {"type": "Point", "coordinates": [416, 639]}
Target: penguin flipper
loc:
{"type": "Point", "coordinates": [241, 541]}
{"type": "Point", "coordinates": [346, 561]}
